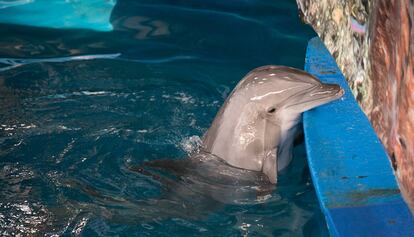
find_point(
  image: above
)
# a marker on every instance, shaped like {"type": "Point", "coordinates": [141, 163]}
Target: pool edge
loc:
{"type": "Point", "coordinates": [351, 172]}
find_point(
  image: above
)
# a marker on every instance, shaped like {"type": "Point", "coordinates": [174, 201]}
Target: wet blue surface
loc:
{"type": "Point", "coordinates": [352, 173]}
{"type": "Point", "coordinates": [81, 111]}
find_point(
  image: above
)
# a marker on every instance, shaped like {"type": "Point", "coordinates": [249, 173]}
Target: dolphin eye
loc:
{"type": "Point", "coordinates": [271, 110]}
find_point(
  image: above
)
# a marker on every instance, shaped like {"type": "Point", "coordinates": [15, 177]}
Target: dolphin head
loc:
{"type": "Point", "coordinates": [256, 126]}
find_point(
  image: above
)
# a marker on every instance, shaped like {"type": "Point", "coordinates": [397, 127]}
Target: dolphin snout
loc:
{"type": "Point", "coordinates": [328, 90]}
{"type": "Point", "coordinates": [333, 88]}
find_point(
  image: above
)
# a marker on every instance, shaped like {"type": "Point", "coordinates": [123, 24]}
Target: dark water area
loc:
{"type": "Point", "coordinates": [82, 110]}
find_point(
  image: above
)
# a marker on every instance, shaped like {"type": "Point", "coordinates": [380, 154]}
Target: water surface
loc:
{"type": "Point", "coordinates": [80, 110]}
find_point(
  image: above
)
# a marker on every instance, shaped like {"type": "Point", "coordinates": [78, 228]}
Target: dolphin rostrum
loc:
{"type": "Point", "coordinates": [256, 126]}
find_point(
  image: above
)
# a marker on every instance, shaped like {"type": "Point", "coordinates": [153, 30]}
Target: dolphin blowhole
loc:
{"type": "Point", "coordinates": [256, 126]}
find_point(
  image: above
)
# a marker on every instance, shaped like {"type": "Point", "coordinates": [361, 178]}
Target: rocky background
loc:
{"type": "Point", "coordinates": [373, 44]}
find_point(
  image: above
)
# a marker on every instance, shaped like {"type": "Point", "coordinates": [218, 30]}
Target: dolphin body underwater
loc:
{"type": "Point", "coordinates": [249, 141]}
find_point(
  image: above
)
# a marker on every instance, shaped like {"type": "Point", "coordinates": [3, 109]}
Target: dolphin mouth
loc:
{"type": "Point", "coordinates": [323, 93]}
{"type": "Point", "coordinates": [327, 90]}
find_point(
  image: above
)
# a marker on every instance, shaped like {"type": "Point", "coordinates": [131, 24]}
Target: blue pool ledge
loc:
{"type": "Point", "coordinates": [352, 174]}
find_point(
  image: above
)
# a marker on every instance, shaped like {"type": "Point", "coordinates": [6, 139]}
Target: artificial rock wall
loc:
{"type": "Point", "coordinates": [373, 44]}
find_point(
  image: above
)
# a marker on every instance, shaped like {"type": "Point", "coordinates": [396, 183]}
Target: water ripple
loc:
{"type": "Point", "coordinates": [13, 3]}
{"type": "Point", "coordinates": [17, 62]}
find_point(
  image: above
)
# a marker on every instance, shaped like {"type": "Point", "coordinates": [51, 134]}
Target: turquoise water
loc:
{"type": "Point", "coordinates": [82, 110]}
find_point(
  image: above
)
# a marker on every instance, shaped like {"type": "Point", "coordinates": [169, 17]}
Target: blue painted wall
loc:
{"type": "Point", "coordinates": [352, 174]}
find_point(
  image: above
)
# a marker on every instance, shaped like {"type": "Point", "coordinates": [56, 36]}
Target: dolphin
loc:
{"type": "Point", "coordinates": [256, 126]}
{"type": "Point", "coordinates": [249, 141]}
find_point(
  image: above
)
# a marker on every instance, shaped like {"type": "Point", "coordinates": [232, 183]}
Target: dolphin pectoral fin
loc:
{"type": "Point", "coordinates": [270, 166]}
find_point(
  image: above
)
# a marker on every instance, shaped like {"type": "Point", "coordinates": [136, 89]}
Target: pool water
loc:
{"type": "Point", "coordinates": [81, 111]}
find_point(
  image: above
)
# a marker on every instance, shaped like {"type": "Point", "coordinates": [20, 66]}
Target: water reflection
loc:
{"type": "Point", "coordinates": [58, 14]}
{"type": "Point", "coordinates": [144, 26]}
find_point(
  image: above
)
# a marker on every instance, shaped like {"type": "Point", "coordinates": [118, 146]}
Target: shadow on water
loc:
{"type": "Point", "coordinates": [75, 133]}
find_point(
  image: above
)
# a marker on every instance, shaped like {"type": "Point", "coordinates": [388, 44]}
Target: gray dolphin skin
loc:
{"type": "Point", "coordinates": [256, 126]}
